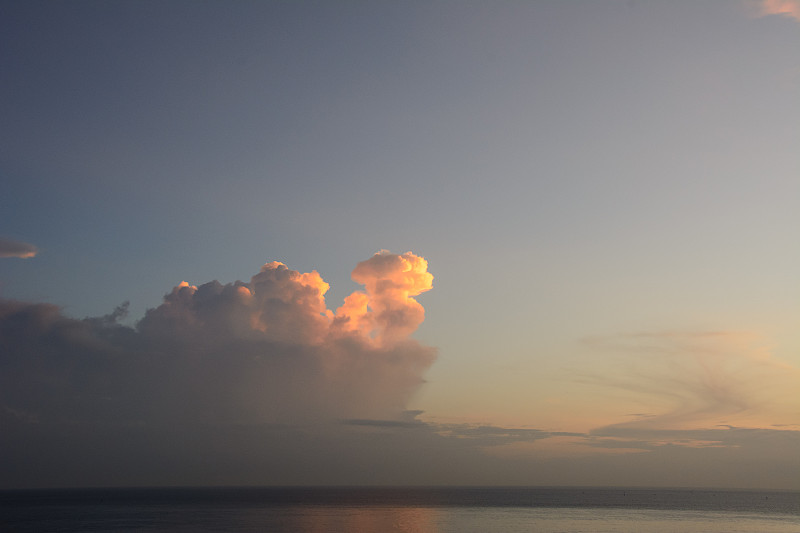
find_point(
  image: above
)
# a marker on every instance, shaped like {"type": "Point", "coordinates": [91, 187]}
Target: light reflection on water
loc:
{"type": "Point", "coordinates": [322, 520]}
{"type": "Point", "coordinates": [442, 510]}
{"type": "Point", "coordinates": [510, 520]}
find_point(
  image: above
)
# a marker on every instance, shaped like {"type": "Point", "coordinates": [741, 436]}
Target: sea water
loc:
{"type": "Point", "coordinates": [425, 510]}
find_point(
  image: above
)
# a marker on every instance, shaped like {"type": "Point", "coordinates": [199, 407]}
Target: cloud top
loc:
{"type": "Point", "coordinates": [12, 248]}
{"type": "Point", "coordinates": [386, 311]}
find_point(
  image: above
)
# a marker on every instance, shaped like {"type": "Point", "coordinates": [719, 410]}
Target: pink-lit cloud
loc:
{"type": "Point", "coordinates": [386, 311]}
{"type": "Point", "coordinates": [786, 8]}
{"type": "Point", "coordinates": [12, 248]}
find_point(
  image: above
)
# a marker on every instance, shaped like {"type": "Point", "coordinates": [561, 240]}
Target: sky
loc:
{"type": "Point", "coordinates": [400, 243]}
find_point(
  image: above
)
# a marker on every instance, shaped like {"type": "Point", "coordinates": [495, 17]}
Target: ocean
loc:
{"type": "Point", "coordinates": [426, 510]}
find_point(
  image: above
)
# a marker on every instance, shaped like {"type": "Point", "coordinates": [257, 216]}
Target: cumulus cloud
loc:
{"type": "Point", "coordinates": [263, 351]}
{"type": "Point", "coordinates": [786, 8]}
{"type": "Point", "coordinates": [386, 311]}
{"type": "Point", "coordinates": [221, 383]}
{"type": "Point", "coordinates": [12, 248]}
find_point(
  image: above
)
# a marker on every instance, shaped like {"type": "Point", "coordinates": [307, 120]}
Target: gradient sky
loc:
{"type": "Point", "coordinates": [605, 193]}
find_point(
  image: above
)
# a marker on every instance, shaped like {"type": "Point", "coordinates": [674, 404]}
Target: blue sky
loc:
{"type": "Point", "coordinates": [588, 181]}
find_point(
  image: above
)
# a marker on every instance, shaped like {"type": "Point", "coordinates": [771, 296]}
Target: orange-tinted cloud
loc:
{"type": "Point", "coordinates": [387, 311]}
{"type": "Point", "coordinates": [12, 248]}
{"type": "Point", "coordinates": [787, 8]}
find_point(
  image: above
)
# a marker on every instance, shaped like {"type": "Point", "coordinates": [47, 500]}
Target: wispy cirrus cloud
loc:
{"type": "Point", "coordinates": [12, 248]}
{"type": "Point", "coordinates": [688, 379]}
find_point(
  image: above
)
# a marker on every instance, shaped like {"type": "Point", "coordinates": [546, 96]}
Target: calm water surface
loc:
{"type": "Point", "coordinates": [425, 510]}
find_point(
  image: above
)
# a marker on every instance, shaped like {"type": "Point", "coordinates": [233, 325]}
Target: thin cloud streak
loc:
{"type": "Point", "coordinates": [12, 248]}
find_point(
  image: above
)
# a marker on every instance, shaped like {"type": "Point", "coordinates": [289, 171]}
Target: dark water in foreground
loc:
{"type": "Point", "coordinates": [429, 510]}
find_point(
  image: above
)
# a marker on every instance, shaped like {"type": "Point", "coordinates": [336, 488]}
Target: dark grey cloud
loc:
{"type": "Point", "coordinates": [473, 436]}
{"type": "Point", "coordinates": [489, 435]}
{"type": "Point", "coordinates": [727, 436]}
{"type": "Point", "coordinates": [384, 423]}
{"type": "Point", "coordinates": [12, 248]}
